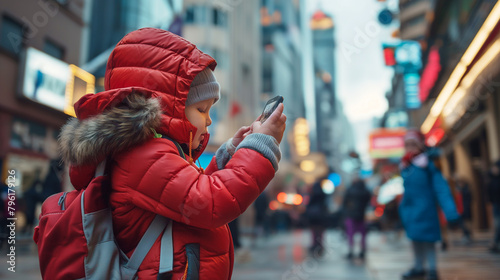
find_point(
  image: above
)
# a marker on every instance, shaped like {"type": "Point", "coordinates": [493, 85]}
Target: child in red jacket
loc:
{"type": "Point", "coordinates": [159, 85]}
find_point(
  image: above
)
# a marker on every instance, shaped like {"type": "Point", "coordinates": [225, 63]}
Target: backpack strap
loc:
{"type": "Point", "coordinates": [159, 224]}
{"type": "Point", "coordinates": [167, 250]}
{"type": "Point", "coordinates": [129, 270]}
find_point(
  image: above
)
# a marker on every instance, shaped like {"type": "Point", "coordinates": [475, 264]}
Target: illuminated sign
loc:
{"type": "Point", "coordinates": [430, 74]}
{"type": "Point", "coordinates": [389, 54]}
{"type": "Point", "coordinates": [387, 143]}
{"type": "Point", "coordinates": [411, 81]}
{"type": "Point", "coordinates": [408, 55]}
{"type": "Point", "coordinates": [396, 118]}
{"type": "Point", "coordinates": [434, 136]}
{"type": "Point", "coordinates": [52, 82]}
{"type": "Point", "coordinates": [301, 137]}
{"type": "Point", "coordinates": [79, 83]}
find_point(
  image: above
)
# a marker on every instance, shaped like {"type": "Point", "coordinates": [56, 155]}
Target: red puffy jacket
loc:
{"type": "Point", "coordinates": [147, 80]}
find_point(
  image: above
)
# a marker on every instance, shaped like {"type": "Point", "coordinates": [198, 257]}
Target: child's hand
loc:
{"type": "Point", "coordinates": [240, 135]}
{"type": "Point", "coordinates": [274, 126]}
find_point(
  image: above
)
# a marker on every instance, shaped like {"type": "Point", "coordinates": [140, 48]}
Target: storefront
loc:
{"type": "Point", "coordinates": [464, 119]}
{"type": "Point", "coordinates": [43, 91]}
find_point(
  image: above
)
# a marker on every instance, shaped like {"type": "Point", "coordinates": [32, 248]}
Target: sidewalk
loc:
{"type": "Point", "coordinates": [388, 260]}
{"type": "Point", "coordinates": [285, 256]}
{"type": "Point", "coordinates": [26, 260]}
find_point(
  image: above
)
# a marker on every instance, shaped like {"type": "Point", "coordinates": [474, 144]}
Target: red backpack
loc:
{"type": "Point", "coordinates": [75, 237]}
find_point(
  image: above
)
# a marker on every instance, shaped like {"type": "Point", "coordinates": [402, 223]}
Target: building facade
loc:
{"type": "Point", "coordinates": [461, 109]}
{"type": "Point", "coordinates": [40, 51]}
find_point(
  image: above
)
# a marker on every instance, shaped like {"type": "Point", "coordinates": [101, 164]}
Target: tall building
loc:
{"type": "Point", "coordinates": [334, 135]}
{"type": "Point", "coordinates": [40, 48]}
{"type": "Point", "coordinates": [324, 72]}
{"type": "Point", "coordinates": [281, 59]}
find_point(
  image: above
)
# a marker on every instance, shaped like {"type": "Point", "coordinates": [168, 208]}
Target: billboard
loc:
{"type": "Point", "coordinates": [52, 82]}
{"type": "Point", "coordinates": [387, 143]}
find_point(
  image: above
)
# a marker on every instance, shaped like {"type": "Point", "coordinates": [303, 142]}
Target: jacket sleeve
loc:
{"type": "Point", "coordinates": [443, 193]}
{"type": "Point", "coordinates": [171, 187]}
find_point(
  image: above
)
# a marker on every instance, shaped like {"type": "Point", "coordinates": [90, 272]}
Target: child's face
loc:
{"type": "Point", "coordinates": [198, 114]}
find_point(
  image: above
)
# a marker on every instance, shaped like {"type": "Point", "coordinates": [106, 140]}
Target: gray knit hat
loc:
{"type": "Point", "coordinates": [203, 87]}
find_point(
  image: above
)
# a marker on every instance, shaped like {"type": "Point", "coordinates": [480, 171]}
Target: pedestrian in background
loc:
{"type": "Point", "coordinates": [40, 190]}
{"type": "Point", "coordinates": [316, 213]}
{"type": "Point", "coordinates": [32, 197]}
{"type": "Point", "coordinates": [151, 124]}
{"type": "Point", "coordinates": [494, 198]}
{"type": "Point", "coordinates": [425, 188]}
{"type": "Point", "coordinates": [261, 206]}
{"type": "Point", "coordinates": [459, 203]}
{"type": "Point", "coordinates": [464, 189]}
{"type": "Point", "coordinates": [356, 199]}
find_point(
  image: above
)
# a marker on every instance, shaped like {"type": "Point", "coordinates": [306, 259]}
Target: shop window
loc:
{"type": "Point", "coordinates": [219, 18]}
{"type": "Point", "coordinates": [196, 14]}
{"type": "Point", "coordinates": [189, 18]}
{"type": "Point", "coordinates": [53, 49]}
{"type": "Point", "coordinates": [12, 36]}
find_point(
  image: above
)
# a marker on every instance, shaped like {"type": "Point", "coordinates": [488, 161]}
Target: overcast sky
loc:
{"type": "Point", "coordinates": [362, 79]}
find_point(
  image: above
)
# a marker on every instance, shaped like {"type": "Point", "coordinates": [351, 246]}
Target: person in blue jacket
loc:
{"type": "Point", "coordinates": [425, 190]}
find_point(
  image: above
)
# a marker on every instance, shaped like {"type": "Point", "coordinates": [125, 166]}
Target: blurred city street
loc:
{"type": "Point", "coordinates": [392, 112]}
{"type": "Point", "coordinates": [285, 256]}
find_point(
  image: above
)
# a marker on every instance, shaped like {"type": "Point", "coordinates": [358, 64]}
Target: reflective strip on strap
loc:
{"type": "Point", "coordinates": [154, 230]}
{"type": "Point", "coordinates": [167, 250]}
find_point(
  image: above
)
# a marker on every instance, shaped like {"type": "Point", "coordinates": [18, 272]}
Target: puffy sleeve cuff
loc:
{"type": "Point", "coordinates": [265, 145]}
{"type": "Point", "coordinates": [224, 153]}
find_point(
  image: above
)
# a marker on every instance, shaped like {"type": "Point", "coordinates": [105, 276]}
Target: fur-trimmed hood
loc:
{"type": "Point", "coordinates": [89, 141]}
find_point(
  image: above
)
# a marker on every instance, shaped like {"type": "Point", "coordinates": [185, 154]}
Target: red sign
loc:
{"type": "Point", "coordinates": [387, 143]}
{"type": "Point", "coordinates": [436, 134]}
{"type": "Point", "coordinates": [389, 57]}
{"type": "Point", "coordinates": [430, 74]}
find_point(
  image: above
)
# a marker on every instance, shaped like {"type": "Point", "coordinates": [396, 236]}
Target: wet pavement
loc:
{"type": "Point", "coordinates": [285, 256]}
